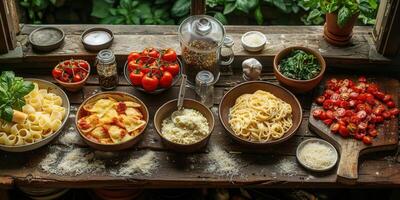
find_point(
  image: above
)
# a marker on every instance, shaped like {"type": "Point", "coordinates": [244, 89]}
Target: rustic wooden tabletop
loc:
{"type": "Point", "coordinates": [270, 167]}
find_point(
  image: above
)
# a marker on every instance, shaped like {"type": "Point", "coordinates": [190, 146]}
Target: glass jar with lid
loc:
{"type": "Point", "coordinates": [205, 87]}
{"type": "Point", "coordinates": [107, 69]}
{"type": "Point", "coordinates": [202, 37]}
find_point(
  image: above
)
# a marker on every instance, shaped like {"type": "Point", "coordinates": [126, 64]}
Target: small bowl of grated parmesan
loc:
{"type": "Point", "coordinates": [317, 155]}
{"type": "Point", "coordinates": [187, 130]}
{"type": "Point", "coordinates": [253, 41]}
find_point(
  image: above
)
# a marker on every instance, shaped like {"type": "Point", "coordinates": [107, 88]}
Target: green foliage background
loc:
{"type": "Point", "coordinates": [161, 12]}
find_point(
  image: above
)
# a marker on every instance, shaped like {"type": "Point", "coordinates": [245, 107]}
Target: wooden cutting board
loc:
{"type": "Point", "coordinates": [350, 149]}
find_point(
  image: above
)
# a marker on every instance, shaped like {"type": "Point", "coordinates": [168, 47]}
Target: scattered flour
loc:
{"type": "Point", "coordinates": [145, 164]}
{"type": "Point", "coordinates": [287, 167]}
{"type": "Point", "coordinates": [74, 162]}
{"type": "Point", "coordinates": [70, 137]}
{"type": "Point", "coordinates": [222, 162]}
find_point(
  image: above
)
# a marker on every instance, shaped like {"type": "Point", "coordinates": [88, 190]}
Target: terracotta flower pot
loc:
{"type": "Point", "coordinates": [335, 29]}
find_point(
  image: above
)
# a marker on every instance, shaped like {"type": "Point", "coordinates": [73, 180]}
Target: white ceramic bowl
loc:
{"type": "Point", "coordinates": [323, 142]}
{"type": "Point", "coordinates": [254, 48]}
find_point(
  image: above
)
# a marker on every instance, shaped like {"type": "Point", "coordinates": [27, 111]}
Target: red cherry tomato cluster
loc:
{"type": "Point", "coordinates": [354, 109]}
{"type": "Point", "coordinates": [71, 71]}
{"type": "Point", "coordinates": [152, 69]}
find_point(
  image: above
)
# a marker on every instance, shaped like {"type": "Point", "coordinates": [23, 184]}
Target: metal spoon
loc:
{"type": "Point", "coordinates": [181, 97]}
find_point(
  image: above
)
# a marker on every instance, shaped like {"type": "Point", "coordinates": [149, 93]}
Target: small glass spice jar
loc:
{"type": "Point", "coordinates": [205, 87]}
{"type": "Point", "coordinates": [107, 69]}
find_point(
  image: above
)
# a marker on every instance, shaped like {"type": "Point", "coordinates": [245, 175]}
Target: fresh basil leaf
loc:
{"type": "Point", "coordinates": [242, 6]}
{"type": "Point", "coordinates": [259, 16]}
{"type": "Point", "coordinates": [180, 8]}
{"type": "Point", "coordinates": [25, 88]}
{"type": "Point", "coordinates": [7, 113]}
{"type": "Point", "coordinates": [343, 16]}
{"type": "Point", "coordinates": [229, 7]}
{"type": "Point", "coordinates": [314, 14]}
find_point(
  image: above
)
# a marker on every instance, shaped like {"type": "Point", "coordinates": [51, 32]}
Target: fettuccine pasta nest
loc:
{"type": "Point", "coordinates": [260, 117]}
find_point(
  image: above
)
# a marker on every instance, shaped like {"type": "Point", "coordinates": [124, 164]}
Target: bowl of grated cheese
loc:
{"type": "Point", "coordinates": [187, 130]}
{"type": "Point", "coordinates": [317, 155]}
{"type": "Point", "coordinates": [253, 41]}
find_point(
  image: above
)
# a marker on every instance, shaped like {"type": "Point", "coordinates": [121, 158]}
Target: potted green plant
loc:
{"type": "Point", "coordinates": [341, 15]}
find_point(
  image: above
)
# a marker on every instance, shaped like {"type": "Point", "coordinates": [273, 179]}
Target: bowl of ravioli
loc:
{"type": "Point", "coordinates": [112, 121]}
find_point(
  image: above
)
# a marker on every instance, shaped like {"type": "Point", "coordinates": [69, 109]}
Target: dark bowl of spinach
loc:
{"type": "Point", "coordinates": [300, 69]}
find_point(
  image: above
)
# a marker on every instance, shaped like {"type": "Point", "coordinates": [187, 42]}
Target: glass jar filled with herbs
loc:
{"type": "Point", "coordinates": [300, 65]}
{"type": "Point", "coordinates": [202, 38]}
{"type": "Point", "coordinates": [107, 69]}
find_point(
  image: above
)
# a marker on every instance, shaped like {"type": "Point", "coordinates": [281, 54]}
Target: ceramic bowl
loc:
{"type": "Point", "coordinates": [229, 99]}
{"type": "Point", "coordinates": [46, 39]}
{"type": "Point", "coordinates": [53, 89]}
{"type": "Point", "coordinates": [166, 110]}
{"type": "Point", "coordinates": [312, 140]}
{"type": "Point", "coordinates": [294, 85]}
{"type": "Point", "coordinates": [73, 87]}
{"type": "Point", "coordinates": [250, 47]}
{"type": "Point", "coordinates": [97, 47]}
{"type": "Point", "coordinates": [119, 96]}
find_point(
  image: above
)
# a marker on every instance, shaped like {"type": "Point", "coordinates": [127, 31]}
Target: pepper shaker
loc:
{"type": "Point", "coordinates": [107, 69]}
{"type": "Point", "coordinates": [251, 69]}
{"type": "Point", "coordinates": [205, 87]}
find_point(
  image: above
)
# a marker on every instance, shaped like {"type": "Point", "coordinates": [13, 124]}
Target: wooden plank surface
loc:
{"type": "Point", "coordinates": [361, 52]}
{"type": "Point", "coordinates": [270, 167]}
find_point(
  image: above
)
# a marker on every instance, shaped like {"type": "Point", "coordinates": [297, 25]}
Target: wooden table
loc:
{"type": "Point", "coordinates": [270, 167]}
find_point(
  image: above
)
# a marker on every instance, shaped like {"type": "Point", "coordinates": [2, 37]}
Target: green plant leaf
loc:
{"type": "Point", "coordinates": [229, 7]}
{"type": "Point", "coordinates": [280, 4]}
{"type": "Point", "coordinates": [242, 5]}
{"type": "Point", "coordinates": [144, 11]}
{"type": "Point", "coordinates": [314, 14]}
{"type": "Point", "coordinates": [343, 16]}
{"type": "Point", "coordinates": [259, 16]}
{"type": "Point", "coordinates": [180, 8]}
{"type": "Point", "coordinates": [100, 8]}
{"type": "Point", "coordinates": [221, 17]}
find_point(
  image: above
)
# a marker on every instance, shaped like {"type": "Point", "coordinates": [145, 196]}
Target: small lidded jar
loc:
{"type": "Point", "coordinates": [107, 69]}
{"type": "Point", "coordinates": [205, 87]}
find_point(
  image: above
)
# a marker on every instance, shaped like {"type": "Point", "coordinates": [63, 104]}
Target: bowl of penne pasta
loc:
{"type": "Point", "coordinates": [40, 120]}
{"type": "Point", "coordinates": [111, 121]}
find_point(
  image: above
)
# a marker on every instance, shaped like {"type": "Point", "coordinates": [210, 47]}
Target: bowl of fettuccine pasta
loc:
{"type": "Point", "coordinates": [44, 114]}
{"type": "Point", "coordinates": [260, 113]}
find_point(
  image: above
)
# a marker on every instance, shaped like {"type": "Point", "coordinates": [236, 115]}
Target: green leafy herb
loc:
{"type": "Point", "coordinates": [12, 92]}
{"type": "Point", "coordinates": [300, 65]}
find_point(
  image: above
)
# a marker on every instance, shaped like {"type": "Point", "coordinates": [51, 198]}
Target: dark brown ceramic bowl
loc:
{"type": "Point", "coordinates": [168, 108]}
{"type": "Point", "coordinates": [94, 48]}
{"type": "Point", "coordinates": [119, 96]}
{"type": "Point", "coordinates": [47, 38]}
{"type": "Point", "coordinates": [298, 86]}
{"type": "Point", "coordinates": [229, 99]}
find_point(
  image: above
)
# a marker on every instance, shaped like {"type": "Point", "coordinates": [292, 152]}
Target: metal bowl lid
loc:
{"type": "Point", "coordinates": [201, 27]}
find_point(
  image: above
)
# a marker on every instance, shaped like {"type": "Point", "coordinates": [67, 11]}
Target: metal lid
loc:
{"type": "Point", "coordinates": [201, 27]}
{"type": "Point", "coordinates": [205, 77]}
{"type": "Point", "coordinates": [106, 56]}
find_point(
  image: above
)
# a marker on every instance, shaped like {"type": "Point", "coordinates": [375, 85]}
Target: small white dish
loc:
{"type": "Point", "coordinates": [253, 41]}
{"type": "Point", "coordinates": [323, 142]}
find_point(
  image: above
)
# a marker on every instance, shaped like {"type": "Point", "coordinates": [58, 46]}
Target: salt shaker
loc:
{"type": "Point", "coordinates": [205, 87]}
{"type": "Point", "coordinates": [107, 69]}
{"type": "Point", "coordinates": [251, 69]}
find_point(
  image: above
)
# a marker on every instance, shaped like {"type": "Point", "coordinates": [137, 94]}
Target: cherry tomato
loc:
{"type": "Point", "coordinates": [173, 69]}
{"type": "Point", "coordinates": [362, 79]}
{"type": "Point", "coordinates": [150, 82]}
{"type": "Point", "coordinates": [132, 66]}
{"type": "Point", "coordinates": [133, 56]}
{"type": "Point", "coordinates": [77, 78]}
{"type": "Point", "coordinates": [343, 131]}
{"type": "Point", "coordinates": [154, 53]}
{"type": "Point", "coordinates": [372, 132]}
{"type": "Point", "coordinates": [378, 110]}
{"type": "Point", "coordinates": [362, 125]}
{"type": "Point", "coordinates": [329, 114]}
{"type": "Point", "coordinates": [334, 127]}
{"type": "Point", "coordinates": [359, 135]}
{"type": "Point", "coordinates": [83, 65]}
{"type": "Point", "coordinates": [361, 114]}
{"type": "Point", "coordinates": [320, 100]}
{"type": "Point", "coordinates": [390, 104]}
{"type": "Point", "coordinates": [387, 98]}
{"type": "Point", "coordinates": [64, 78]}
{"type": "Point", "coordinates": [57, 72]}
{"type": "Point", "coordinates": [166, 80]}
{"type": "Point", "coordinates": [317, 113]}
{"type": "Point", "coordinates": [351, 127]}
{"type": "Point", "coordinates": [169, 55]}
{"type": "Point", "coordinates": [386, 115]}
{"type": "Point", "coordinates": [394, 111]}
{"type": "Point", "coordinates": [380, 95]}
{"type": "Point", "coordinates": [327, 121]}
{"type": "Point", "coordinates": [328, 104]}
{"type": "Point", "coordinates": [136, 77]}
{"type": "Point", "coordinates": [367, 140]}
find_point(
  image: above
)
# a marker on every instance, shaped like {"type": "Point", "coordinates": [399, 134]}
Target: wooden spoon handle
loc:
{"type": "Point", "coordinates": [348, 166]}
{"type": "Point", "coordinates": [182, 92]}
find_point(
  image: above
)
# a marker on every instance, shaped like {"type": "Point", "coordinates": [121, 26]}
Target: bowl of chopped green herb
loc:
{"type": "Point", "coordinates": [300, 69]}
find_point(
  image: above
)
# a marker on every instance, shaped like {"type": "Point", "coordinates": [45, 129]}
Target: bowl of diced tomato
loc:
{"type": "Point", "coordinates": [71, 74]}
{"type": "Point", "coordinates": [152, 70]}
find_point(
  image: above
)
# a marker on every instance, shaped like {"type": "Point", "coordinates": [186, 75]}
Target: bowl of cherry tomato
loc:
{"type": "Point", "coordinates": [71, 74]}
{"type": "Point", "coordinates": [153, 71]}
